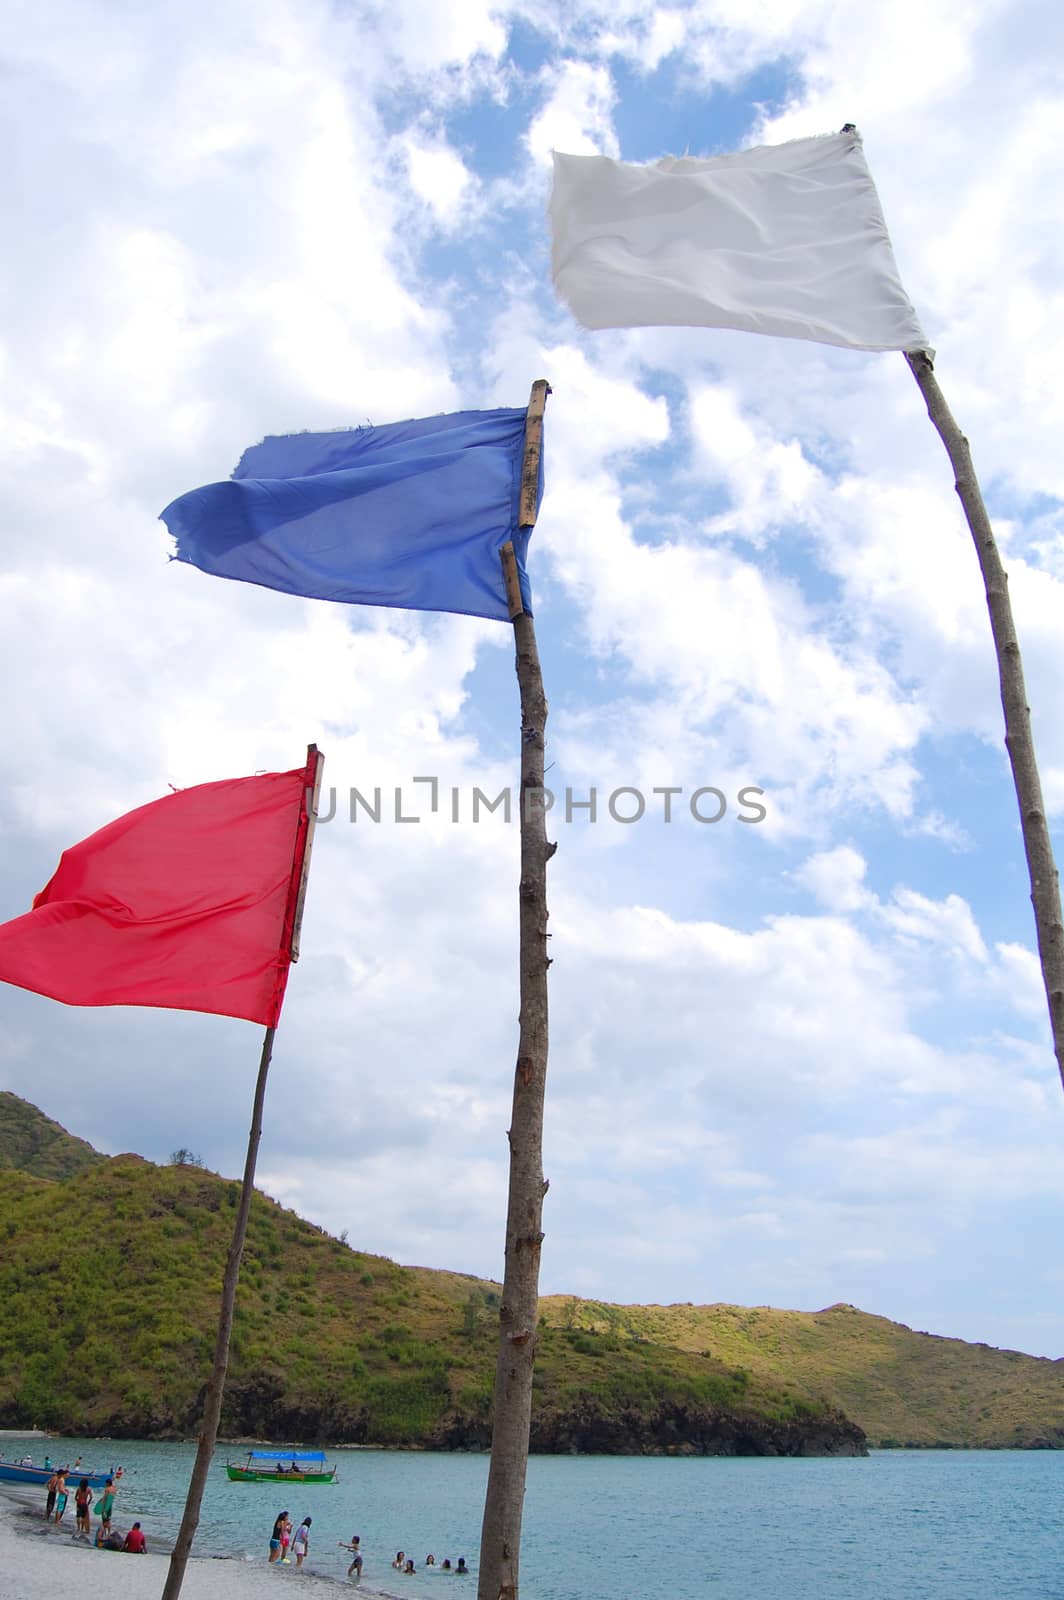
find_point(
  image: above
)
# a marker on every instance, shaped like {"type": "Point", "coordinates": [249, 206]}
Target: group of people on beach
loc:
{"type": "Point", "coordinates": [283, 1540]}
{"type": "Point", "coordinates": [57, 1498]}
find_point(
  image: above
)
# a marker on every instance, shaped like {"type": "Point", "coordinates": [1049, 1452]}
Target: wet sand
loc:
{"type": "Point", "coordinates": [42, 1561]}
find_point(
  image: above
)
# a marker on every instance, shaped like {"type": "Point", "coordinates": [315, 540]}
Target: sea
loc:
{"type": "Point", "coordinates": [897, 1525]}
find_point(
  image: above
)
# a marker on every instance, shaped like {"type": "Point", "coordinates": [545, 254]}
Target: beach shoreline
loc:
{"type": "Point", "coordinates": [43, 1560]}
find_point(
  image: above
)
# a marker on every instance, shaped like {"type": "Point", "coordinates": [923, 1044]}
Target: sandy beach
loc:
{"type": "Point", "coordinates": [42, 1561]}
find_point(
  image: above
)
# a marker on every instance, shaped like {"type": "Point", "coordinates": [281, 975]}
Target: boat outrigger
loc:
{"type": "Point", "coordinates": [282, 1466]}
{"type": "Point", "coordinates": [26, 1472]}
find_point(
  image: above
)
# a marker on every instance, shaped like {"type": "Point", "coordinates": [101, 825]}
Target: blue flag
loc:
{"type": "Point", "coordinates": [412, 514]}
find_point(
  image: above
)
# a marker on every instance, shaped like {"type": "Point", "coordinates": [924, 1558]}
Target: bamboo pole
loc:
{"type": "Point", "coordinates": [1019, 742]}
{"type": "Point", "coordinates": [500, 1545]}
{"type": "Point", "coordinates": [212, 1404]}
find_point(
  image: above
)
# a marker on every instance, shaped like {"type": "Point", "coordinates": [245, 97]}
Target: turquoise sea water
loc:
{"type": "Point", "coordinates": [922, 1525]}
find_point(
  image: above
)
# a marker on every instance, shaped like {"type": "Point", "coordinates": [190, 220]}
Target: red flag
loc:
{"type": "Point", "coordinates": [187, 902]}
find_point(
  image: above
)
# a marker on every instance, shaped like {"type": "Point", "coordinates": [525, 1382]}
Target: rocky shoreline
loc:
{"type": "Point", "coordinates": [674, 1429]}
{"type": "Point", "coordinates": [671, 1429]}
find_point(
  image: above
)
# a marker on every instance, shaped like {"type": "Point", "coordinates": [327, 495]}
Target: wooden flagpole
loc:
{"type": "Point", "coordinates": [212, 1405]}
{"type": "Point", "coordinates": [1019, 742]}
{"type": "Point", "coordinates": [500, 1544]}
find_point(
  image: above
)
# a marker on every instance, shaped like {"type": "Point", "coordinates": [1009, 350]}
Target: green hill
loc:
{"type": "Point", "coordinates": [109, 1289]}
{"type": "Point", "coordinates": [110, 1276]}
{"type": "Point", "coordinates": [901, 1387]}
{"type": "Point", "coordinates": [31, 1142]}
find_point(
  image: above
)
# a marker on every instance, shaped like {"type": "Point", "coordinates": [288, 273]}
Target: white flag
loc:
{"type": "Point", "coordinates": [786, 239]}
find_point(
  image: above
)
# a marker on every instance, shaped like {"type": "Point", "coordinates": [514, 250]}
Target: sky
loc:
{"type": "Point", "coordinates": [794, 1061]}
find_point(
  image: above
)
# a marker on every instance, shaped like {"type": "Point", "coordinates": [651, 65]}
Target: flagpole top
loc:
{"type": "Point", "coordinates": [537, 401]}
{"type": "Point", "coordinates": [315, 765]}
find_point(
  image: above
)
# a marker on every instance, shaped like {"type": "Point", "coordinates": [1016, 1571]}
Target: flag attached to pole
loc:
{"type": "Point", "coordinates": [412, 514]}
{"type": "Point", "coordinates": [188, 902]}
{"type": "Point", "coordinates": [783, 239]}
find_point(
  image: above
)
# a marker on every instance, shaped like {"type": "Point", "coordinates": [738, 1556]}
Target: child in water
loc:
{"type": "Point", "coordinates": [356, 1554]}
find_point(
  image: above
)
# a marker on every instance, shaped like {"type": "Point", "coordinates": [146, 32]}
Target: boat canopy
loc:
{"type": "Point", "coordinates": [286, 1455]}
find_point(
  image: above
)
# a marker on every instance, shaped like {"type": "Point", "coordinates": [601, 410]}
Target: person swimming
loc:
{"type": "Point", "coordinates": [409, 1568]}
{"type": "Point", "coordinates": [461, 1567]}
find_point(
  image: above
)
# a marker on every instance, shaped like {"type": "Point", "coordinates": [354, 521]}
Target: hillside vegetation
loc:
{"type": "Point", "coordinates": [110, 1276]}
{"type": "Point", "coordinates": [903, 1388]}
{"type": "Point", "coordinates": [31, 1142]}
{"type": "Point", "coordinates": [109, 1290]}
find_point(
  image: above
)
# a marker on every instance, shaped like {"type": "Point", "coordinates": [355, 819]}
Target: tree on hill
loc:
{"type": "Point", "coordinates": [183, 1157]}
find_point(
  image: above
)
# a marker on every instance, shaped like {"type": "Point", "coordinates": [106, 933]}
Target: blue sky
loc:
{"type": "Point", "coordinates": [792, 1063]}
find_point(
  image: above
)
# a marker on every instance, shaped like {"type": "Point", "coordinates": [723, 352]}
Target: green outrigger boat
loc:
{"type": "Point", "coordinates": [281, 1466]}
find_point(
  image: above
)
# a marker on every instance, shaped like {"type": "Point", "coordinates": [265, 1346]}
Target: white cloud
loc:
{"type": "Point", "coordinates": [645, 35]}
{"type": "Point", "coordinates": [948, 922]}
{"type": "Point", "coordinates": [440, 178]}
{"type": "Point", "coordinates": [770, 482]}
{"type": "Point", "coordinates": [1020, 976]}
{"type": "Point", "coordinates": [732, 649]}
{"type": "Point", "coordinates": [577, 115]}
{"type": "Point", "coordinates": [426, 36]}
{"type": "Point", "coordinates": [836, 878]}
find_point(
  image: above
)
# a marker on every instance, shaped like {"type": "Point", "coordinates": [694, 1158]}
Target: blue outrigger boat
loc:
{"type": "Point", "coordinates": [26, 1472]}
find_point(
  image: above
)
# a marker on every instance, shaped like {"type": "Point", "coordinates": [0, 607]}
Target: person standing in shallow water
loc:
{"type": "Point", "coordinates": [276, 1536]}
{"type": "Point", "coordinates": [106, 1505]}
{"type": "Point", "coordinates": [301, 1542]}
{"type": "Point", "coordinates": [355, 1547]}
{"type": "Point", "coordinates": [83, 1507]}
